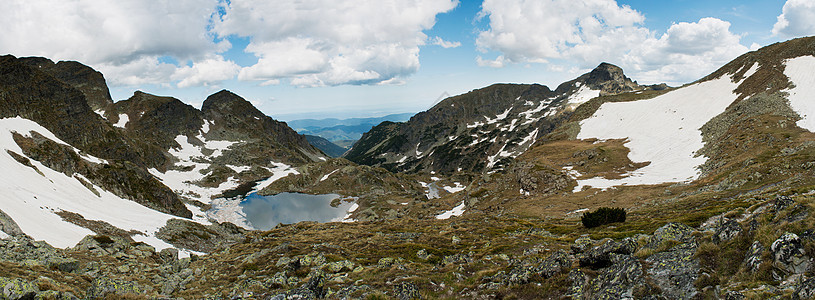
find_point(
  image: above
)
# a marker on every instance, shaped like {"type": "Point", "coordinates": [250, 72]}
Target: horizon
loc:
{"type": "Point", "coordinates": [351, 59]}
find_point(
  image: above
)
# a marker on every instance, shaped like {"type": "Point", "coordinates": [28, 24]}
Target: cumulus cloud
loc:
{"type": "Point", "coordinates": [687, 51]}
{"type": "Point", "coordinates": [444, 44]}
{"type": "Point", "coordinates": [206, 72]}
{"type": "Point", "coordinates": [797, 19]}
{"type": "Point", "coordinates": [587, 32]}
{"type": "Point", "coordinates": [327, 42]}
{"type": "Point", "coordinates": [124, 37]}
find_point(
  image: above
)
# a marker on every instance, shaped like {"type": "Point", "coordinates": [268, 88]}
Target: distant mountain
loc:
{"type": "Point", "coordinates": [326, 146]}
{"type": "Point", "coordinates": [334, 129]}
{"type": "Point", "coordinates": [481, 131]}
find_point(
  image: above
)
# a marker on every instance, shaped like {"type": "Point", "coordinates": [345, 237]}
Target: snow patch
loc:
{"type": "Point", "coordinates": [663, 130]}
{"type": "Point", "coordinates": [123, 119]}
{"type": "Point", "coordinates": [327, 175]}
{"type": "Point", "coordinates": [751, 71]}
{"type": "Point", "coordinates": [800, 72]}
{"type": "Point", "coordinates": [456, 211]}
{"type": "Point", "coordinates": [3, 235]}
{"type": "Point", "coordinates": [454, 189]}
{"type": "Point", "coordinates": [101, 113]}
{"type": "Point", "coordinates": [583, 94]}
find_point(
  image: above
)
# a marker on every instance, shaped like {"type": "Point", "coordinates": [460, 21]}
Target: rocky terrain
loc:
{"type": "Point", "coordinates": [479, 197]}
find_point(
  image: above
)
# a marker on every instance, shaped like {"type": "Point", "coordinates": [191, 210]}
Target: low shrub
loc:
{"type": "Point", "coordinates": [602, 216]}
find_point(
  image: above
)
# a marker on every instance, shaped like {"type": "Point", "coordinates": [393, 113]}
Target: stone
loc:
{"type": "Point", "coordinates": [423, 255]}
{"type": "Point", "coordinates": [675, 271]}
{"type": "Point", "coordinates": [805, 290]}
{"type": "Point", "coordinates": [670, 232]}
{"type": "Point", "coordinates": [727, 230]}
{"type": "Point", "coordinates": [554, 264]}
{"type": "Point", "coordinates": [168, 255]}
{"type": "Point", "coordinates": [733, 295]}
{"type": "Point", "coordinates": [17, 288]}
{"type": "Point", "coordinates": [788, 254]}
{"type": "Point", "coordinates": [104, 287]}
{"type": "Point", "coordinates": [753, 258]}
{"type": "Point", "coordinates": [599, 257]}
{"type": "Point", "coordinates": [406, 291]}
{"type": "Point", "coordinates": [582, 244]}
{"type": "Point", "coordinates": [618, 280]}
{"type": "Point", "coordinates": [579, 282]}
{"type": "Point", "coordinates": [313, 289]}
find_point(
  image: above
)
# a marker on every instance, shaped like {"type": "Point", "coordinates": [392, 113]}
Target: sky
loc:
{"type": "Point", "coordinates": [297, 59]}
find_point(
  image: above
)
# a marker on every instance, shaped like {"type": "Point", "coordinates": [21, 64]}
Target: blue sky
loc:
{"type": "Point", "coordinates": [328, 58]}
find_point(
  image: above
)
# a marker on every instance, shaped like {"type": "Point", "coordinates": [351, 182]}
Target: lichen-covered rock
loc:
{"type": "Point", "coordinates": [103, 287]}
{"type": "Point", "coordinates": [582, 244]}
{"type": "Point", "coordinates": [17, 288]}
{"type": "Point", "coordinates": [753, 258]}
{"type": "Point", "coordinates": [406, 291]}
{"type": "Point", "coordinates": [337, 266]}
{"type": "Point", "coordinates": [789, 255]}
{"type": "Point", "coordinates": [618, 280]}
{"type": "Point", "coordinates": [805, 290]}
{"type": "Point", "coordinates": [733, 295]}
{"type": "Point", "coordinates": [670, 232]}
{"type": "Point", "coordinates": [578, 283]}
{"type": "Point", "coordinates": [675, 271]}
{"type": "Point", "coordinates": [599, 256]}
{"type": "Point", "coordinates": [313, 289]}
{"type": "Point", "coordinates": [555, 263]}
{"type": "Point", "coordinates": [727, 230]}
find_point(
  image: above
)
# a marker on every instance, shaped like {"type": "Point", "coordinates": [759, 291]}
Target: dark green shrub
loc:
{"type": "Point", "coordinates": [602, 216]}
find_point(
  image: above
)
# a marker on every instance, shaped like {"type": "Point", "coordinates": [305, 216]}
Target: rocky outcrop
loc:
{"type": "Point", "coordinates": [789, 256]}
{"type": "Point", "coordinates": [83, 78]}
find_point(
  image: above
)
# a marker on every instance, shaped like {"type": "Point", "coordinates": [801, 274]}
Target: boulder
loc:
{"type": "Point", "coordinates": [618, 280]}
{"type": "Point", "coordinates": [406, 291]}
{"type": "Point", "coordinates": [670, 232]}
{"type": "Point", "coordinates": [789, 255]}
{"type": "Point", "coordinates": [582, 244]}
{"type": "Point", "coordinates": [727, 230]}
{"type": "Point", "coordinates": [555, 263]}
{"type": "Point", "coordinates": [17, 289]}
{"type": "Point", "coordinates": [753, 258]}
{"type": "Point", "coordinates": [805, 290]}
{"type": "Point", "coordinates": [675, 271]}
{"type": "Point", "coordinates": [599, 257]}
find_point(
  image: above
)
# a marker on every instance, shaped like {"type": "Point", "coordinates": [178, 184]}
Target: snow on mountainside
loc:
{"type": "Point", "coordinates": [483, 130]}
{"type": "Point", "coordinates": [665, 132]}
{"type": "Point", "coordinates": [33, 193]}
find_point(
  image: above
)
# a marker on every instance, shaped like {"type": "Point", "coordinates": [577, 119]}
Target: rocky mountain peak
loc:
{"type": "Point", "coordinates": [606, 77]}
{"type": "Point", "coordinates": [227, 102]}
{"type": "Point", "coordinates": [81, 77]}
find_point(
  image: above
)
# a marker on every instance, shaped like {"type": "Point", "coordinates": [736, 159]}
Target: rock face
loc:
{"type": "Point", "coordinates": [482, 130]}
{"type": "Point", "coordinates": [83, 78]}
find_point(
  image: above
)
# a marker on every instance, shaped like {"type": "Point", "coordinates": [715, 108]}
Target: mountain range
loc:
{"type": "Point", "coordinates": [480, 196]}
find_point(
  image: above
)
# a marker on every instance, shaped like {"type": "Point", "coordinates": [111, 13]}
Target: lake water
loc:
{"type": "Point", "coordinates": [265, 212]}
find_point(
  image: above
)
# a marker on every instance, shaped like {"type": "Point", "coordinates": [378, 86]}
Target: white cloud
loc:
{"type": "Point", "coordinates": [498, 62]}
{"type": "Point", "coordinates": [686, 52]}
{"type": "Point", "coordinates": [124, 37]}
{"type": "Point", "coordinates": [328, 42]}
{"type": "Point", "coordinates": [587, 32]}
{"type": "Point", "coordinates": [206, 72]}
{"type": "Point", "coordinates": [797, 19]}
{"type": "Point", "coordinates": [534, 31]}
{"type": "Point", "coordinates": [444, 44]}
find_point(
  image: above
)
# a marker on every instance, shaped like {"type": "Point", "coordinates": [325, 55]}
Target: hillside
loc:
{"type": "Point", "coordinates": [481, 131]}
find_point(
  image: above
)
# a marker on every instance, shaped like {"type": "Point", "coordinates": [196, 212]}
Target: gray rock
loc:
{"type": "Point", "coordinates": [618, 280]}
{"type": "Point", "coordinates": [675, 271]}
{"type": "Point", "coordinates": [788, 254]}
{"type": "Point", "coordinates": [727, 230]}
{"type": "Point", "coordinates": [582, 244]}
{"type": "Point", "coordinates": [17, 288]}
{"type": "Point", "coordinates": [313, 289]}
{"type": "Point", "coordinates": [579, 282]}
{"type": "Point", "coordinates": [423, 255]}
{"type": "Point", "coordinates": [168, 255]}
{"type": "Point", "coordinates": [754, 256]}
{"type": "Point", "coordinates": [406, 291]}
{"type": "Point", "coordinates": [805, 290]}
{"type": "Point", "coordinates": [733, 295]}
{"type": "Point", "coordinates": [555, 263]}
{"type": "Point", "coordinates": [8, 225]}
{"type": "Point", "coordinates": [672, 231]}
{"type": "Point", "coordinates": [104, 287]}
{"type": "Point", "coordinates": [599, 257]}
